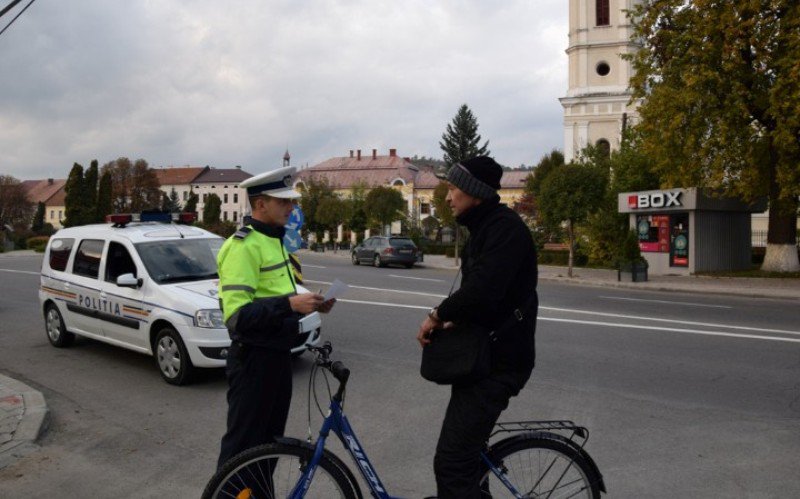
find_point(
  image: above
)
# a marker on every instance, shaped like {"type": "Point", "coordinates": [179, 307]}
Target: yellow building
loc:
{"type": "Point", "coordinates": [415, 182]}
{"type": "Point", "coordinates": [50, 192]}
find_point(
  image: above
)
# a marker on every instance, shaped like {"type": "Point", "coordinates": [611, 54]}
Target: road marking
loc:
{"type": "Point", "coordinates": [416, 278]}
{"type": "Point", "coordinates": [418, 293]}
{"type": "Point", "coordinates": [674, 330]}
{"type": "Point", "coordinates": [618, 324]}
{"type": "Point", "coordinates": [308, 265]}
{"type": "Point", "coordinates": [673, 321]}
{"type": "Point", "coordinates": [20, 271]}
{"type": "Point", "coordinates": [588, 312]}
{"type": "Point", "coordinates": [383, 304]}
{"type": "Point", "coordinates": [665, 301]}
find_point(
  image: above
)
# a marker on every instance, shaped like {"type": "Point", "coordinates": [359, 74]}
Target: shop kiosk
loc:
{"type": "Point", "coordinates": [683, 231]}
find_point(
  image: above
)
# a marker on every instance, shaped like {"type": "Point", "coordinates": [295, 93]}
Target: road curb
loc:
{"type": "Point", "coordinates": [23, 419]}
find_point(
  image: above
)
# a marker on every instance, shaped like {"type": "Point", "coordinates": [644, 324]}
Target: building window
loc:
{"type": "Point", "coordinates": [225, 216]}
{"type": "Point", "coordinates": [235, 197]}
{"type": "Point", "coordinates": [225, 198]}
{"type": "Point", "coordinates": [604, 148]}
{"type": "Point", "coordinates": [213, 186]}
{"type": "Point", "coordinates": [602, 68]}
{"type": "Point", "coordinates": [52, 214]}
{"type": "Point", "coordinates": [59, 215]}
{"type": "Point", "coordinates": [425, 209]}
{"type": "Point", "coordinates": [205, 197]}
{"type": "Point", "coordinates": [603, 18]}
{"type": "Point", "coordinates": [234, 216]}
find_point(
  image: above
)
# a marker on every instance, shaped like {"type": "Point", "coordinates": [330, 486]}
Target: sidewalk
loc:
{"type": "Point", "coordinates": [739, 286]}
{"type": "Point", "coordinates": [23, 417]}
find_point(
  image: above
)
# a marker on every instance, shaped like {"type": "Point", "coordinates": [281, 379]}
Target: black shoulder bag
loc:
{"type": "Point", "coordinates": [459, 354]}
{"type": "Point", "coordinates": [462, 353]}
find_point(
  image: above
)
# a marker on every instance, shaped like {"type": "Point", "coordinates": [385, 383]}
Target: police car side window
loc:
{"type": "Point", "coordinates": [87, 259]}
{"type": "Point", "coordinates": [59, 253]}
{"type": "Point", "coordinates": [118, 262]}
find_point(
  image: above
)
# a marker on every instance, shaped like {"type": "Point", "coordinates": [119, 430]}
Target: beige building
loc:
{"type": "Point", "coordinates": [50, 192]}
{"type": "Point", "coordinates": [203, 181]}
{"type": "Point", "coordinates": [597, 106]}
{"type": "Point", "coordinates": [415, 182]}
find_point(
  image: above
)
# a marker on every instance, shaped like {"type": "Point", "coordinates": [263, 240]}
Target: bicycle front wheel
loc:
{"type": "Point", "coordinates": [273, 470]}
{"type": "Point", "coordinates": [538, 468]}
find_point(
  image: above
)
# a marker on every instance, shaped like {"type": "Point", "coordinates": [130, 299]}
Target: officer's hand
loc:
{"type": "Point", "coordinates": [326, 306]}
{"type": "Point", "coordinates": [306, 303]}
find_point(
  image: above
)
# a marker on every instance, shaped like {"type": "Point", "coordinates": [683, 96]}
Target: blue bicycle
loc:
{"type": "Point", "coordinates": [540, 459]}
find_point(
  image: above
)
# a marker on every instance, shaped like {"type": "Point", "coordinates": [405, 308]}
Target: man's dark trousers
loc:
{"type": "Point", "coordinates": [259, 394]}
{"type": "Point", "coordinates": [471, 414]}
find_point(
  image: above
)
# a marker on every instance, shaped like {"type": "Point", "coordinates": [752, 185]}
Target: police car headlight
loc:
{"type": "Point", "coordinates": [209, 318]}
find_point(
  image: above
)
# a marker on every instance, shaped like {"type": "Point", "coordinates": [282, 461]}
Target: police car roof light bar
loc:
{"type": "Point", "coordinates": [119, 219]}
{"type": "Point", "coordinates": [187, 217]}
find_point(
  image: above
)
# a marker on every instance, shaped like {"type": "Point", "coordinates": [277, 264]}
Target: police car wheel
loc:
{"type": "Point", "coordinates": [377, 261]}
{"type": "Point", "coordinates": [172, 358]}
{"type": "Point", "coordinates": [56, 330]}
{"type": "Point", "coordinates": [354, 259]}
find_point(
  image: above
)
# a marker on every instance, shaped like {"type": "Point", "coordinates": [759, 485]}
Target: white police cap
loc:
{"type": "Point", "coordinates": [277, 183]}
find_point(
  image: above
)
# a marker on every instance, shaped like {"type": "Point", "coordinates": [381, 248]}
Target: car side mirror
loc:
{"type": "Point", "coordinates": [129, 281]}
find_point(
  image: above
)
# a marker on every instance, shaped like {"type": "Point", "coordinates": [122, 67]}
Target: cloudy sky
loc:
{"type": "Point", "coordinates": [198, 82]}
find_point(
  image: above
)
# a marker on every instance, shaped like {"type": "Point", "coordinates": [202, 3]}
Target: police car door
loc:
{"type": "Point", "coordinates": [84, 313]}
{"type": "Point", "coordinates": [126, 319]}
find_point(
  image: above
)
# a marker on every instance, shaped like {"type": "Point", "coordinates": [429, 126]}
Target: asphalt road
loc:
{"type": "Point", "coordinates": [684, 395]}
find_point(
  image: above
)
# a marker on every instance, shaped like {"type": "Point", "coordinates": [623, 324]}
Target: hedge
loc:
{"type": "Point", "coordinates": [37, 243]}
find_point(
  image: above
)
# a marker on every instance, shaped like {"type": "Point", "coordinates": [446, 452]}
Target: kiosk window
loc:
{"type": "Point", "coordinates": [653, 231]}
{"type": "Point", "coordinates": [679, 247]}
{"type": "Point", "coordinates": [87, 259]}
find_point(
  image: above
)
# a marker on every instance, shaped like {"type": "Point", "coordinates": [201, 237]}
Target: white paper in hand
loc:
{"type": "Point", "coordinates": [337, 289]}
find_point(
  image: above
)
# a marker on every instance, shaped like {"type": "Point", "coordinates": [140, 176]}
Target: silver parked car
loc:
{"type": "Point", "coordinates": [382, 250]}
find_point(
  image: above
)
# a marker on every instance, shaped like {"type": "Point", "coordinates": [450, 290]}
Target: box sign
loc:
{"type": "Point", "coordinates": [666, 199]}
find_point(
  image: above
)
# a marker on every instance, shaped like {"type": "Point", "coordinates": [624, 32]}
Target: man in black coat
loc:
{"type": "Point", "coordinates": [498, 292]}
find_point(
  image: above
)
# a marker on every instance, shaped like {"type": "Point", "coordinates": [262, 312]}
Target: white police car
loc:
{"type": "Point", "coordinates": [147, 285]}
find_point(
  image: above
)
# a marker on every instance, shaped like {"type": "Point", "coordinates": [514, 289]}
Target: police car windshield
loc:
{"type": "Point", "coordinates": [180, 260]}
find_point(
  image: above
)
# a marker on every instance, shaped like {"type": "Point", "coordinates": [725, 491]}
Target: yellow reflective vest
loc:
{"type": "Point", "coordinates": [255, 281]}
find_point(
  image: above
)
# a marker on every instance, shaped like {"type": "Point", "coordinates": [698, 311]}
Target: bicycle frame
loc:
{"type": "Point", "coordinates": [337, 421]}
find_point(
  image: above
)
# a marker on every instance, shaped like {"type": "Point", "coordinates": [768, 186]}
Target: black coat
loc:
{"type": "Point", "coordinates": [499, 275]}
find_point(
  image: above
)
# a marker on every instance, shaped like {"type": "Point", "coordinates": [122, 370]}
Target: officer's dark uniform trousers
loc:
{"type": "Point", "coordinates": [265, 389]}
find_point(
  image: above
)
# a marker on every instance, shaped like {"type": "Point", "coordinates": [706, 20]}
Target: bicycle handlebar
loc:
{"type": "Point", "coordinates": [337, 368]}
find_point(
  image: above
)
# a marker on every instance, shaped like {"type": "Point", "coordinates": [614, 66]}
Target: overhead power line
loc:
{"type": "Point", "coordinates": [13, 3]}
{"type": "Point", "coordinates": [9, 7]}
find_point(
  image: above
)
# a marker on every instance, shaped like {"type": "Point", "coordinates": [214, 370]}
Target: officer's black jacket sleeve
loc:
{"type": "Point", "coordinates": [262, 317]}
{"type": "Point", "coordinates": [494, 269]}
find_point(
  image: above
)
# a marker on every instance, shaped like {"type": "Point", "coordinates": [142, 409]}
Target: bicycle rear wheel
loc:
{"type": "Point", "coordinates": [540, 467]}
{"type": "Point", "coordinates": [273, 470]}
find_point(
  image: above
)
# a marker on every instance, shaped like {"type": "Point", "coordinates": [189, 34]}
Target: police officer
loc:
{"type": "Point", "coordinates": [261, 308]}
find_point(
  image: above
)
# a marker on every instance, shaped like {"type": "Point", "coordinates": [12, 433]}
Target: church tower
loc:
{"type": "Point", "coordinates": [287, 158]}
{"type": "Point", "coordinates": [596, 106]}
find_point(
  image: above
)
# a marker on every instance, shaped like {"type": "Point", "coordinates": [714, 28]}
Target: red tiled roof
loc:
{"type": "Point", "coordinates": [426, 180]}
{"type": "Point", "coordinates": [514, 179]}
{"type": "Point", "coordinates": [58, 199]}
{"type": "Point", "coordinates": [222, 176]}
{"type": "Point", "coordinates": [178, 176]}
{"type": "Point", "coordinates": [40, 191]}
{"type": "Point", "coordinates": [344, 172]}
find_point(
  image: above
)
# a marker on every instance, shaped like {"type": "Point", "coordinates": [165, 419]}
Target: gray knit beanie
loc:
{"type": "Point", "coordinates": [479, 177]}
